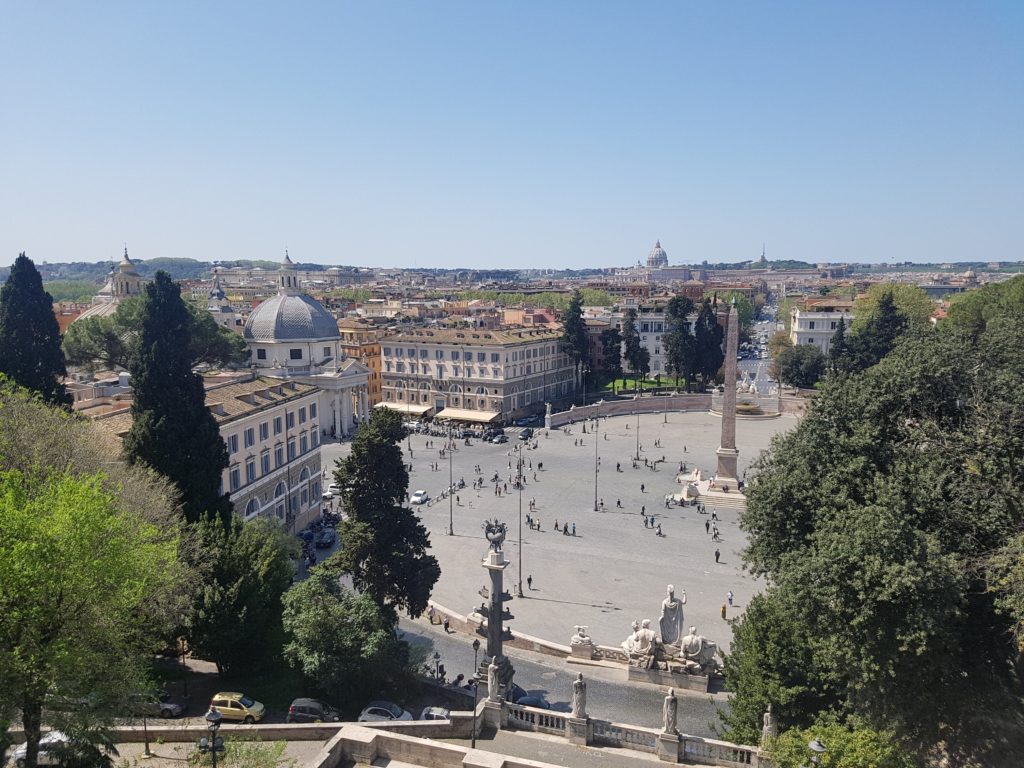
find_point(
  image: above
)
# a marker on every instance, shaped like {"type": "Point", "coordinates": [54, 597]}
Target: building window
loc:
{"type": "Point", "coordinates": [327, 351]}
{"type": "Point", "coordinates": [439, 354]}
{"type": "Point", "coordinates": [303, 443]}
{"type": "Point", "coordinates": [249, 437]}
{"type": "Point", "coordinates": [277, 425]}
{"type": "Point", "coordinates": [234, 478]}
{"type": "Point", "coordinates": [833, 326]}
{"type": "Point", "coordinates": [423, 353]}
{"type": "Point", "coordinates": [279, 456]}
{"type": "Point", "coordinates": [250, 471]}
{"type": "Point", "coordinates": [252, 509]}
{"type": "Point", "coordinates": [314, 435]}
{"type": "Point", "coordinates": [810, 339]}
{"type": "Point", "coordinates": [810, 325]}
{"type": "Point", "coordinates": [291, 448]}
{"type": "Point", "coordinates": [265, 462]}
{"type": "Point", "coordinates": [495, 358]}
{"type": "Point", "coordinates": [312, 410]}
{"type": "Point", "coordinates": [232, 444]}
{"type": "Point", "coordinates": [316, 489]}
{"type": "Point", "coordinates": [264, 431]}
{"type": "Point", "coordinates": [261, 354]}
{"type": "Point", "coordinates": [302, 415]}
{"type": "Point", "coordinates": [295, 354]}
{"type": "Point", "coordinates": [455, 355]}
{"type": "Point", "coordinates": [289, 418]}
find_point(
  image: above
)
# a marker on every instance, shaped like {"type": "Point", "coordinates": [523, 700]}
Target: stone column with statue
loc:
{"type": "Point", "coordinates": [728, 455]}
{"type": "Point", "coordinates": [669, 740]}
{"type": "Point", "coordinates": [578, 728]}
{"type": "Point", "coordinates": [496, 614]}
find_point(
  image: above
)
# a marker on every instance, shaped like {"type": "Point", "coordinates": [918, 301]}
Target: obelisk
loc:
{"type": "Point", "coordinates": [727, 453]}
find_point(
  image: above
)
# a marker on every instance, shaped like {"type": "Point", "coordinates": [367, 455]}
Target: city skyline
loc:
{"type": "Point", "coordinates": [497, 137]}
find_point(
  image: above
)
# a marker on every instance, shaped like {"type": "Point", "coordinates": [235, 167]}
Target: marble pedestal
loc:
{"type": "Point", "coordinates": [668, 747]}
{"type": "Point", "coordinates": [579, 730]}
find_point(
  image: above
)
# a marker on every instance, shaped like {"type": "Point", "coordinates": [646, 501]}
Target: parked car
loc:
{"type": "Point", "coordinates": [419, 497]}
{"type": "Point", "coordinates": [163, 705]}
{"type": "Point", "coordinates": [237, 706]}
{"type": "Point", "coordinates": [326, 538]}
{"type": "Point", "coordinates": [334, 489]}
{"type": "Point", "coordinates": [467, 433]}
{"type": "Point", "coordinates": [515, 693]}
{"type": "Point", "coordinates": [498, 439]}
{"type": "Point", "coordinates": [377, 711]}
{"type": "Point", "coordinates": [533, 701]}
{"type": "Point", "coordinates": [307, 536]}
{"type": "Point", "coordinates": [526, 434]}
{"type": "Point", "coordinates": [50, 745]}
{"type": "Point", "coordinates": [311, 711]}
{"type": "Point", "coordinates": [435, 713]}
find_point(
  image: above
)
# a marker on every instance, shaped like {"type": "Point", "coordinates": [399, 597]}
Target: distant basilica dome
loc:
{"type": "Point", "coordinates": [290, 315]}
{"type": "Point", "coordinates": [657, 258]}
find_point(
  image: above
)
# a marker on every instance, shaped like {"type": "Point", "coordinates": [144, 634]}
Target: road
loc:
{"type": "Point", "coordinates": [609, 697]}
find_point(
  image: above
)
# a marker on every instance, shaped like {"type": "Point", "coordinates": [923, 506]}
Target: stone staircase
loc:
{"type": "Point", "coordinates": [714, 499]}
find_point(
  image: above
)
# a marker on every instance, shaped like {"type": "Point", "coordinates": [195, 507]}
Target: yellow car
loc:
{"type": "Point", "coordinates": [237, 706]}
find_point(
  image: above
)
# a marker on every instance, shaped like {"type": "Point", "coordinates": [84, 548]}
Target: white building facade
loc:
{"type": "Point", "coordinates": [816, 322]}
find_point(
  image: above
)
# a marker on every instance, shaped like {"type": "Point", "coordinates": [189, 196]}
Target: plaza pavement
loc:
{"type": "Point", "coordinates": [614, 570]}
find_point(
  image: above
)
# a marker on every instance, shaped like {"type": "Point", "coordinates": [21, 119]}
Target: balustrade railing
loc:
{"type": "Point", "coordinates": [714, 752]}
{"type": "Point", "coordinates": [534, 719]}
{"type": "Point", "coordinates": [621, 735]}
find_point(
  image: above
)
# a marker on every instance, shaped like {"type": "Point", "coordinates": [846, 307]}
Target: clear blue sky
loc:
{"type": "Point", "coordinates": [532, 134]}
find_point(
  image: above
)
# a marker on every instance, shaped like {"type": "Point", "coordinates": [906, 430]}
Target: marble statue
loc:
{"type": "Point", "coordinates": [669, 711]}
{"type": "Point", "coordinates": [698, 651]}
{"type": "Point", "coordinates": [580, 636]}
{"type": "Point", "coordinates": [645, 638]}
{"type": "Point", "coordinates": [493, 692]}
{"type": "Point", "coordinates": [494, 531]}
{"type": "Point", "coordinates": [671, 622]}
{"type": "Point", "coordinates": [547, 409]}
{"type": "Point", "coordinates": [579, 697]}
{"type": "Point", "coordinates": [630, 643]}
{"type": "Point", "coordinates": [770, 727]}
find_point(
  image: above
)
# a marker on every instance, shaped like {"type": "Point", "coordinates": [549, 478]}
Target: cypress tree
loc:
{"type": "Point", "coordinates": [172, 429]}
{"type": "Point", "coordinates": [708, 335]}
{"type": "Point", "coordinates": [30, 351]}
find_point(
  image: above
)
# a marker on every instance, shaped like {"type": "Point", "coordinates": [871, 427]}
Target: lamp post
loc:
{"type": "Point", "coordinates": [638, 434]}
{"type": "Point", "coordinates": [597, 430]}
{"type": "Point", "coordinates": [451, 485]}
{"type": "Point", "coordinates": [476, 685]}
{"type": "Point", "coordinates": [214, 744]}
{"type": "Point", "coordinates": [519, 453]}
{"type": "Point", "coordinates": [146, 754]}
{"type": "Point", "coordinates": [437, 663]}
{"type": "Point", "coordinates": [817, 750]}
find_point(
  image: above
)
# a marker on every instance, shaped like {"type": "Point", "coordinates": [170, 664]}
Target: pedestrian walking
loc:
{"type": "Point", "coordinates": [728, 597]}
{"type": "Point", "coordinates": [643, 510]}
{"type": "Point", "coordinates": [642, 490]}
{"type": "Point", "coordinates": [574, 529]}
{"type": "Point", "coordinates": [707, 526]}
{"type": "Point", "coordinates": [659, 530]}
{"type": "Point", "coordinates": [529, 582]}
{"type": "Point", "coordinates": [447, 628]}
{"type": "Point", "coordinates": [718, 555]}
{"type": "Point", "coordinates": [723, 611]}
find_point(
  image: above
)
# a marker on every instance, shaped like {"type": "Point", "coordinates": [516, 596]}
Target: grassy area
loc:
{"type": "Point", "coordinates": [629, 385]}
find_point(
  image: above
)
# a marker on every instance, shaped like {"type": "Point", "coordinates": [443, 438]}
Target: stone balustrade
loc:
{"type": "Point", "coordinates": [535, 719]}
{"type": "Point", "coordinates": [622, 735]}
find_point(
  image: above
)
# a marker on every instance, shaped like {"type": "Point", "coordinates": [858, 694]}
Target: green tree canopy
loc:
{"type": "Point", "coordinates": [172, 430]}
{"type": "Point", "coordinates": [909, 301]}
{"type": "Point", "coordinates": [678, 341]}
{"type": "Point", "coordinates": [342, 641]}
{"type": "Point", "coordinates": [800, 366]}
{"type": "Point", "coordinates": [611, 354]}
{"type": "Point", "coordinates": [80, 578]}
{"type": "Point", "coordinates": [887, 524]}
{"type": "Point", "coordinates": [874, 337]}
{"type": "Point", "coordinates": [708, 335]}
{"type": "Point", "coordinates": [847, 747]}
{"type": "Point", "coordinates": [632, 349]}
{"type": "Point", "coordinates": [574, 333]}
{"type": "Point", "coordinates": [385, 546]}
{"type": "Point", "coordinates": [245, 569]}
{"type": "Point", "coordinates": [111, 341]}
{"type": "Point", "coordinates": [973, 309]}
{"type": "Point", "coordinates": [30, 352]}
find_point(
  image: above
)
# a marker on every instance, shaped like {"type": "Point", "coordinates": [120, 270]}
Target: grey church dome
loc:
{"type": "Point", "coordinates": [290, 317]}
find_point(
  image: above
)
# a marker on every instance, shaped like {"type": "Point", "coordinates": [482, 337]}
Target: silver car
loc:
{"type": "Point", "coordinates": [377, 711]}
{"type": "Point", "coordinates": [51, 743]}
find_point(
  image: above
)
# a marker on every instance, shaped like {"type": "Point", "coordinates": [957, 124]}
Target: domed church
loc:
{"type": "Point", "coordinates": [292, 336]}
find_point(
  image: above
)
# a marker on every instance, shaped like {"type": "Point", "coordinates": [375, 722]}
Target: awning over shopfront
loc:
{"type": "Point", "coordinates": [464, 414]}
{"type": "Point", "coordinates": [406, 408]}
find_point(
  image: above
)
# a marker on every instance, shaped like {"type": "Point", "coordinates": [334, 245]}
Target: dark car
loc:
{"type": "Point", "coordinates": [467, 433]}
{"type": "Point", "coordinates": [307, 536]}
{"type": "Point", "coordinates": [311, 711]}
{"type": "Point", "coordinates": [499, 439]}
{"type": "Point", "coordinates": [326, 538]}
{"type": "Point", "coordinates": [536, 702]}
{"type": "Point", "coordinates": [526, 434]}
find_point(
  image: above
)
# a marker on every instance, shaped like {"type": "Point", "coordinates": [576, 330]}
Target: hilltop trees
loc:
{"type": "Point", "coordinates": [386, 546]}
{"type": "Point", "coordinates": [172, 429]}
{"type": "Point", "coordinates": [611, 354]}
{"type": "Point", "coordinates": [30, 352]}
{"type": "Point", "coordinates": [708, 335]}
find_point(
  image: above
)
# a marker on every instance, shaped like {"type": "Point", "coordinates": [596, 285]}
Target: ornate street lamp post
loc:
{"type": "Point", "coordinates": [214, 744]}
{"type": "Point", "coordinates": [476, 674]}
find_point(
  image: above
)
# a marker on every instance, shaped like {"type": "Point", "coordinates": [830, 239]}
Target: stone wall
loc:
{"type": "Point", "coordinates": [650, 404]}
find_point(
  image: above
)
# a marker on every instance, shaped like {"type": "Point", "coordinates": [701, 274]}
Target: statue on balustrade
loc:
{"type": "Point", "coordinates": [579, 697]}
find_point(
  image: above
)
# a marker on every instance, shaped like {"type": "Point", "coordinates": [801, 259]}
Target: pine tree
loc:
{"type": "Point", "coordinates": [631, 344]}
{"type": "Point", "coordinates": [708, 334]}
{"type": "Point", "coordinates": [574, 333]}
{"type": "Point", "coordinates": [838, 350]}
{"type": "Point", "coordinates": [172, 429]}
{"type": "Point", "coordinates": [678, 342]}
{"type": "Point", "coordinates": [30, 351]}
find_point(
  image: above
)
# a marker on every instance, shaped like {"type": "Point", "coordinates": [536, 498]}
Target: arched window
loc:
{"type": "Point", "coordinates": [279, 494]}
{"type": "Point", "coordinates": [252, 509]}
